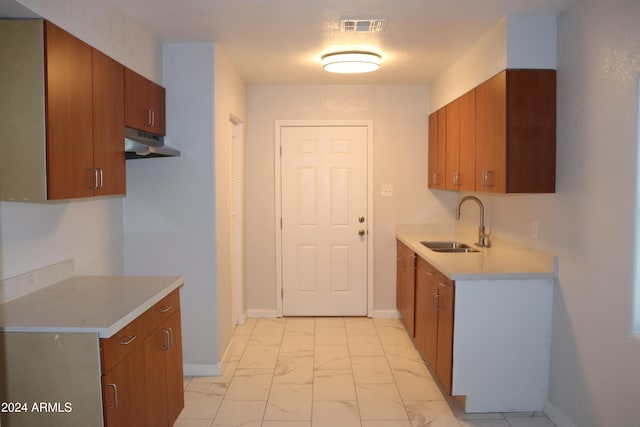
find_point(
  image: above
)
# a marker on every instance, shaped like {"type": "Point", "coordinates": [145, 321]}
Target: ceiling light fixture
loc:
{"type": "Point", "coordinates": [351, 62]}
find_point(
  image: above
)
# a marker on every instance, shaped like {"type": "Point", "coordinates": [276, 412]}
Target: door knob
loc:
{"type": "Point", "coordinates": [361, 232]}
{"type": "Point", "coordinates": [361, 219]}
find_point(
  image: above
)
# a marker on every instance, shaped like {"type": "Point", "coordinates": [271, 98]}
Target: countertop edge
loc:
{"type": "Point", "coordinates": [174, 282]}
{"type": "Point", "coordinates": [132, 315]}
{"type": "Point", "coordinates": [408, 238]}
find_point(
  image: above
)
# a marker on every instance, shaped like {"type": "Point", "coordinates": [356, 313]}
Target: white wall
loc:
{"type": "Point", "coordinates": [170, 207]}
{"type": "Point", "coordinates": [175, 209]}
{"type": "Point", "coordinates": [588, 223]}
{"type": "Point", "coordinates": [230, 102]}
{"type": "Point", "coordinates": [399, 115]}
{"type": "Point", "coordinates": [90, 230]}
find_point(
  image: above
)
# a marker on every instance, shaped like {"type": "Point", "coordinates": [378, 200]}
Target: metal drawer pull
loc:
{"type": "Point", "coordinates": [431, 273]}
{"type": "Point", "coordinates": [443, 284]}
{"type": "Point", "coordinates": [169, 333]}
{"type": "Point", "coordinates": [129, 340]}
{"type": "Point", "coordinates": [115, 396]}
{"type": "Point", "coordinates": [165, 308]}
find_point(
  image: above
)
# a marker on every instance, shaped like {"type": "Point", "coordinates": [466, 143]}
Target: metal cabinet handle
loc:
{"type": "Point", "coordinates": [153, 118]}
{"type": "Point", "coordinates": [443, 284]}
{"type": "Point", "coordinates": [169, 333]}
{"type": "Point", "coordinates": [413, 261]}
{"type": "Point", "coordinates": [486, 178]}
{"type": "Point", "coordinates": [435, 301]}
{"type": "Point", "coordinates": [96, 183]}
{"type": "Point", "coordinates": [431, 273]}
{"type": "Point", "coordinates": [456, 178]}
{"type": "Point", "coordinates": [361, 232]}
{"type": "Point", "coordinates": [115, 397]}
{"type": "Point", "coordinates": [165, 308]}
{"type": "Point", "coordinates": [129, 340]}
{"type": "Point", "coordinates": [101, 178]}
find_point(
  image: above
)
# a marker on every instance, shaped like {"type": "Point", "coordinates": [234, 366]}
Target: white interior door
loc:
{"type": "Point", "coordinates": [324, 224]}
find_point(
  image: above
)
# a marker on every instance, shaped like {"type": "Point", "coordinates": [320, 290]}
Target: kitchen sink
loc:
{"type": "Point", "coordinates": [449, 247]}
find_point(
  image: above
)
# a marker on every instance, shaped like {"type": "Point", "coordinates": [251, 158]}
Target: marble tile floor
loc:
{"type": "Point", "coordinates": [334, 372]}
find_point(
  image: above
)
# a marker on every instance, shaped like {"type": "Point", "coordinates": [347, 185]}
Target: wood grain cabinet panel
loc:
{"type": "Point", "coordinates": [69, 109]}
{"type": "Point", "coordinates": [144, 103]}
{"type": "Point", "coordinates": [516, 132]}
{"type": "Point", "coordinates": [142, 368]}
{"type": "Point", "coordinates": [108, 124]}
{"type": "Point", "coordinates": [434, 320]}
{"type": "Point", "coordinates": [406, 285]}
{"type": "Point", "coordinates": [64, 113]}
{"type": "Point", "coordinates": [499, 137]}
{"type": "Point", "coordinates": [437, 149]}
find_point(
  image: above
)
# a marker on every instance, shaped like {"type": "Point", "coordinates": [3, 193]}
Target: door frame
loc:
{"type": "Point", "coordinates": [279, 124]}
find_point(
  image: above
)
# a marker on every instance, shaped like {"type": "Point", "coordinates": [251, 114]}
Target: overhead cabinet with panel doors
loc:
{"type": "Point", "coordinates": [62, 115]}
{"type": "Point", "coordinates": [144, 103]}
{"type": "Point", "coordinates": [500, 137]}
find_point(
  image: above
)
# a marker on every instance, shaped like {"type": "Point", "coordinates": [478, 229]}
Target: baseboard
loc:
{"type": "Point", "coordinates": [386, 314]}
{"type": "Point", "coordinates": [265, 314]}
{"type": "Point", "coordinates": [202, 370]}
{"type": "Point", "coordinates": [557, 416]}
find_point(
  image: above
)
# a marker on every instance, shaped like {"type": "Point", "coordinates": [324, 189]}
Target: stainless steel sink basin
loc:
{"type": "Point", "coordinates": [449, 247]}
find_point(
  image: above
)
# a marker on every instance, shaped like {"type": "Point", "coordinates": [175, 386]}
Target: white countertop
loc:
{"type": "Point", "coordinates": [503, 260]}
{"type": "Point", "coordinates": [92, 304]}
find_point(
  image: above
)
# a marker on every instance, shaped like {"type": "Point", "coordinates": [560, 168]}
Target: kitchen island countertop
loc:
{"type": "Point", "coordinates": [92, 304]}
{"type": "Point", "coordinates": [503, 260]}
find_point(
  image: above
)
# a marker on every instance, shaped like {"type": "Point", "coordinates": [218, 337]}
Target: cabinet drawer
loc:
{"type": "Point", "coordinates": [126, 340]}
{"type": "Point", "coordinates": [444, 284]}
{"type": "Point", "coordinates": [165, 307]}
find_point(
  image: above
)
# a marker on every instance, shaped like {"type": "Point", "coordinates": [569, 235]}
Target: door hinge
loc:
{"type": "Point", "coordinates": [280, 223]}
{"type": "Point", "coordinates": [281, 151]}
{"type": "Point", "coordinates": [282, 293]}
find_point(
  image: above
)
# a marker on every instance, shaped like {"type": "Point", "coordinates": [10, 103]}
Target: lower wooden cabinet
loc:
{"type": "Point", "coordinates": [142, 382]}
{"type": "Point", "coordinates": [163, 369]}
{"type": "Point", "coordinates": [406, 285]}
{"type": "Point", "coordinates": [434, 320]}
{"type": "Point", "coordinates": [123, 391]}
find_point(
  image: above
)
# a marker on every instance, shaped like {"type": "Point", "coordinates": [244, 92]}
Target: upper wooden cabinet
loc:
{"type": "Point", "coordinates": [437, 149]}
{"type": "Point", "coordinates": [516, 132]}
{"type": "Point", "coordinates": [461, 143]}
{"type": "Point", "coordinates": [144, 103]}
{"type": "Point", "coordinates": [500, 137]}
{"type": "Point", "coordinates": [108, 124]}
{"type": "Point", "coordinates": [62, 115]}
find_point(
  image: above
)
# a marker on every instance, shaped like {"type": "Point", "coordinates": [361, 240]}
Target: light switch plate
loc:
{"type": "Point", "coordinates": [386, 190]}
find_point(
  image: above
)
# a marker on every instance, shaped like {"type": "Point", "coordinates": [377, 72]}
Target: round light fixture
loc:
{"type": "Point", "coordinates": [351, 62]}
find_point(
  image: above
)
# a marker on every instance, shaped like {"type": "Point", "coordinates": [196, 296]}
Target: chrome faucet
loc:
{"type": "Point", "coordinates": [483, 238]}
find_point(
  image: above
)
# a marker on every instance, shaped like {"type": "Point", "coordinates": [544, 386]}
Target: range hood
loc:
{"type": "Point", "coordinates": [139, 144]}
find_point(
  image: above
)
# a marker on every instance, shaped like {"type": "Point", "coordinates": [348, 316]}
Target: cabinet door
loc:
{"type": "Point", "coordinates": [69, 115]}
{"type": "Point", "coordinates": [452, 143]}
{"type": "Point", "coordinates": [444, 358]}
{"type": "Point", "coordinates": [437, 151]}
{"type": "Point", "coordinates": [144, 103]}
{"type": "Point", "coordinates": [431, 329]}
{"type": "Point", "coordinates": [123, 392]}
{"type": "Point", "coordinates": [173, 365]}
{"type": "Point", "coordinates": [108, 125]}
{"type": "Point", "coordinates": [405, 286]}
{"type": "Point", "coordinates": [491, 134]}
{"type": "Point", "coordinates": [156, 100]}
{"type": "Point", "coordinates": [136, 112]}
{"type": "Point", "coordinates": [164, 379]}
{"type": "Point", "coordinates": [423, 301]}
{"type": "Point", "coordinates": [467, 142]}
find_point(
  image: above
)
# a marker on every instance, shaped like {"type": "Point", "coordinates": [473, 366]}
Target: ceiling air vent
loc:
{"type": "Point", "coordinates": [362, 25]}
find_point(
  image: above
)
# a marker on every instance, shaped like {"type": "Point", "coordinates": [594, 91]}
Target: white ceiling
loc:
{"type": "Point", "coordinates": [281, 41]}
